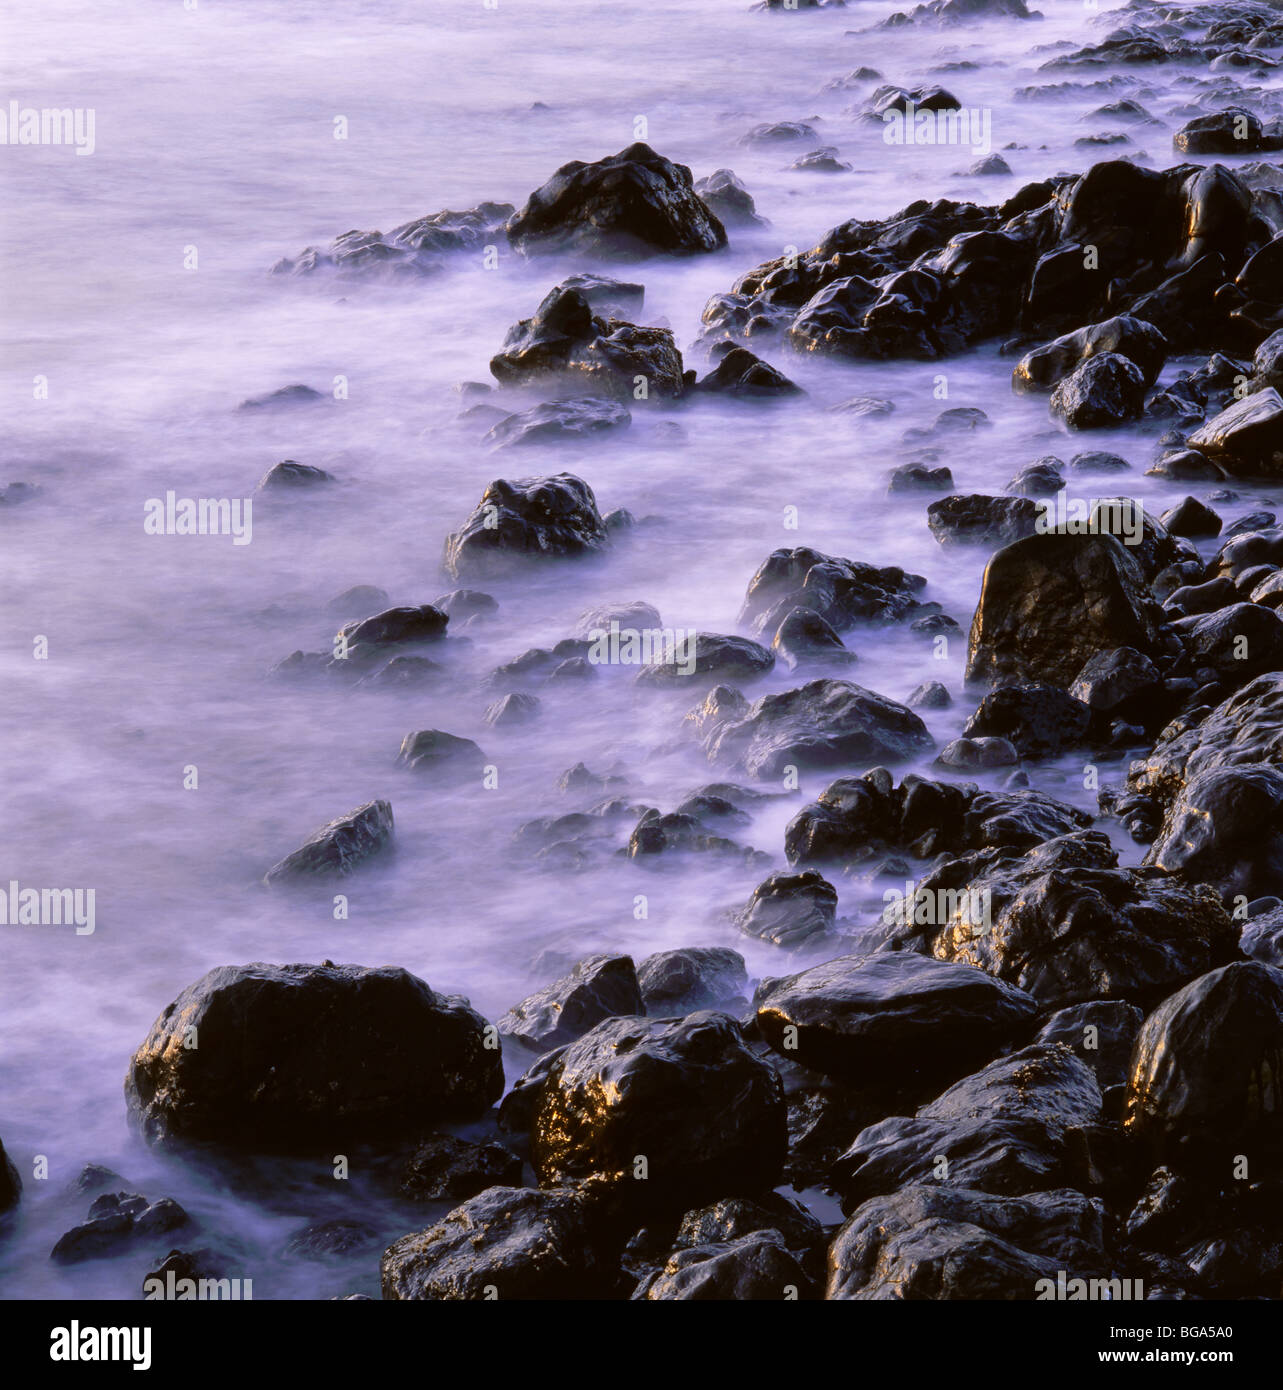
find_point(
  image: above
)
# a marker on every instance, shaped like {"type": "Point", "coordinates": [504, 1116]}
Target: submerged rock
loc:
{"type": "Point", "coordinates": [791, 909]}
{"type": "Point", "coordinates": [267, 1057]}
{"type": "Point", "coordinates": [340, 846]}
{"type": "Point", "coordinates": [559, 422]}
{"type": "Point", "coordinates": [692, 978]}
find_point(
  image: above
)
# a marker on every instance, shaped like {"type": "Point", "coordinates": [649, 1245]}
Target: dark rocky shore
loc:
{"type": "Point", "coordinates": [1061, 1056]}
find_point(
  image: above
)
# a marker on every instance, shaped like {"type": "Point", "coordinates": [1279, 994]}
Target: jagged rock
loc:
{"type": "Point", "coordinates": [598, 987]}
{"type": "Point", "coordinates": [1140, 343]}
{"type": "Point", "coordinates": [791, 909]}
{"type": "Point", "coordinates": [976, 519]}
{"type": "Point", "coordinates": [725, 195]}
{"type": "Point", "coordinates": [438, 754]}
{"type": "Point", "coordinates": [716, 656]}
{"type": "Point", "coordinates": [804, 639]}
{"type": "Point", "coordinates": [692, 978]}
{"type": "Point", "coordinates": [444, 1168]}
{"type": "Point", "coordinates": [1121, 683]}
{"type": "Point", "coordinates": [281, 1056]}
{"type": "Point", "coordinates": [843, 592]}
{"type": "Point", "coordinates": [1040, 721]}
{"type": "Point", "coordinates": [1106, 390]}
{"type": "Point", "coordinates": [930, 695]}
{"type": "Point", "coordinates": [1191, 518]}
{"type": "Point", "coordinates": [529, 519]}
{"type": "Point", "coordinates": [634, 203]}
{"type": "Point", "coordinates": [516, 707]}
{"type": "Point", "coordinates": [756, 1267]}
{"type": "Point", "coordinates": [340, 846]}
{"type": "Point", "coordinates": [288, 475]}
{"type": "Point", "coordinates": [1100, 1033]}
{"type": "Point", "coordinates": [742, 373]}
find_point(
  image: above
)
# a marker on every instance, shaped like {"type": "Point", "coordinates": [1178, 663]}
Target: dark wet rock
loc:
{"type": "Point", "coordinates": [686, 1094]}
{"type": "Point", "coordinates": [1040, 721]}
{"type": "Point", "coordinates": [94, 1178]}
{"type": "Point", "coordinates": [822, 724]}
{"type": "Point", "coordinates": [1225, 828]}
{"type": "Point", "coordinates": [1100, 1033]}
{"type": "Point", "coordinates": [286, 398]}
{"type": "Point", "coordinates": [1208, 597]}
{"type": "Point", "coordinates": [1191, 518]}
{"type": "Point", "coordinates": [1205, 1070]}
{"type": "Point", "coordinates": [1042, 478]}
{"type": "Point", "coordinates": [1066, 924]}
{"type": "Point", "coordinates": [516, 707]}
{"type": "Point", "coordinates": [920, 477]}
{"type": "Point", "coordinates": [858, 818]}
{"type": "Point", "coordinates": [844, 592]}
{"type": "Point", "coordinates": [1122, 683]}
{"type": "Point", "coordinates": [1185, 466]}
{"type": "Point", "coordinates": [742, 373]}
{"type": "Point", "coordinates": [1105, 391]}
{"type": "Point", "coordinates": [1262, 937]}
{"type": "Point", "coordinates": [462, 604]}
{"type": "Point", "coordinates": [631, 204]}
{"type": "Point", "coordinates": [975, 519]}
{"type": "Point", "coordinates": [415, 249]}
{"type": "Point", "coordinates": [339, 847]}
{"type": "Point", "coordinates": [559, 422]}
{"type": "Point", "coordinates": [821, 161]}
{"type": "Point", "coordinates": [692, 978]}
{"type": "Point", "coordinates": [899, 1017]}
{"type": "Point", "coordinates": [991, 166]}
{"type": "Point", "coordinates": [1050, 602]}
{"type": "Point", "coordinates": [1234, 131]}
{"type": "Point", "coordinates": [273, 1057]}
{"type": "Point", "coordinates": [755, 1268]}
{"type": "Point", "coordinates": [445, 1168]}
{"type": "Point", "coordinates": [566, 341]}
{"type": "Point", "coordinates": [958, 419]}
{"type": "Point", "coordinates": [735, 1217]}
{"type": "Point", "coordinates": [580, 779]}
{"type": "Point", "coordinates": [930, 695]}
{"type": "Point", "coordinates": [1246, 438]}
{"type": "Point", "coordinates": [716, 656]}
{"type": "Point", "coordinates": [434, 753]}
{"type": "Point", "coordinates": [288, 475]}
{"type": "Point", "coordinates": [1013, 1128]}
{"type": "Point", "coordinates": [1140, 343]}
{"type": "Point", "coordinates": [805, 639]}
{"type": "Point", "coordinates": [11, 1182]}
{"type": "Point", "coordinates": [727, 198]}
{"type": "Point", "coordinates": [1098, 461]}
{"type": "Point", "coordinates": [324, 1240]}
{"type": "Point", "coordinates": [791, 910]}
{"type": "Point", "coordinates": [1237, 642]}
{"type": "Point", "coordinates": [945, 1242]}
{"type": "Point", "coordinates": [118, 1221]}
{"type": "Point", "coordinates": [974, 754]}
{"type": "Point", "coordinates": [680, 832]}
{"type": "Point", "coordinates": [14, 494]}
{"type": "Point", "coordinates": [363, 640]}
{"type": "Point", "coordinates": [526, 520]}
{"type": "Point", "coordinates": [508, 1243]}
{"type": "Point", "coordinates": [599, 987]}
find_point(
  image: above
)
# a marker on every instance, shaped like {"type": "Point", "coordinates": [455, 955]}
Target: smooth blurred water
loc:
{"type": "Point", "coordinates": [214, 131]}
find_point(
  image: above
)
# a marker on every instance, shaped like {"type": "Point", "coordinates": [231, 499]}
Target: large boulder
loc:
{"type": "Point", "coordinates": [941, 1241]}
{"type": "Point", "coordinates": [712, 656]}
{"type": "Point", "coordinates": [632, 204]}
{"type": "Point", "coordinates": [1066, 924]}
{"type": "Point", "coordinates": [1015, 1127]}
{"type": "Point", "coordinates": [1208, 1065]}
{"type": "Point", "coordinates": [285, 1056]}
{"type": "Point", "coordinates": [685, 1095]}
{"type": "Point", "coordinates": [892, 1020]}
{"type": "Point", "coordinates": [565, 340]}
{"type": "Point", "coordinates": [1246, 438]}
{"type": "Point", "coordinates": [1045, 367]}
{"type": "Point", "coordinates": [1226, 828]}
{"type": "Point", "coordinates": [859, 818]}
{"type": "Point", "coordinates": [1049, 602]}
{"type": "Point", "coordinates": [691, 978]}
{"type": "Point", "coordinates": [339, 847]}
{"type": "Point", "coordinates": [523, 520]}
{"type": "Point", "coordinates": [843, 592]}
{"type": "Point", "coordinates": [977, 519]}
{"type": "Point", "coordinates": [1102, 392]}
{"type": "Point", "coordinates": [791, 910]}
{"type": "Point", "coordinates": [822, 724]}
{"type": "Point", "coordinates": [507, 1243]}
{"type": "Point", "coordinates": [598, 987]}
{"type": "Point", "coordinates": [1101, 1033]}
{"type": "Point", "coordinates": [757, 1267]}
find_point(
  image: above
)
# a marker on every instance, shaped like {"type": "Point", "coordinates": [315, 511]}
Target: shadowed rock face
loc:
{"type": "Point", "coordinates": [754, 1267]}
{"type": "Point", "coordinates": [939, 1241]}
{"type": "Point", "coordinates": [891, 1019]}
{"type": "Point", "coordinates": [276, 1057]}
{"type": "Point", "coordinates": [1207, 1070]}
{"type": "Point", "coordinates": [1012, 1128]}
{"type": "Point", "coordinates": [1050, 602]}
{"type": "Point", "coordinates": [1067, 925]}
{"type": "Point", "coordinates": [686, 1094]}
{"type": "Point", "coordinates": [509, 1242]}
{"type": "Point", "coordinates": [632, 204]}
{"type": "Point", "coordinates": [10, 1182]}
{"type": "Point", "coordinates": [526, 520]}
{"type": "Point", "coordinates": [339, 847]}
{"type": "Point", "coordinates": [598, 987]}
